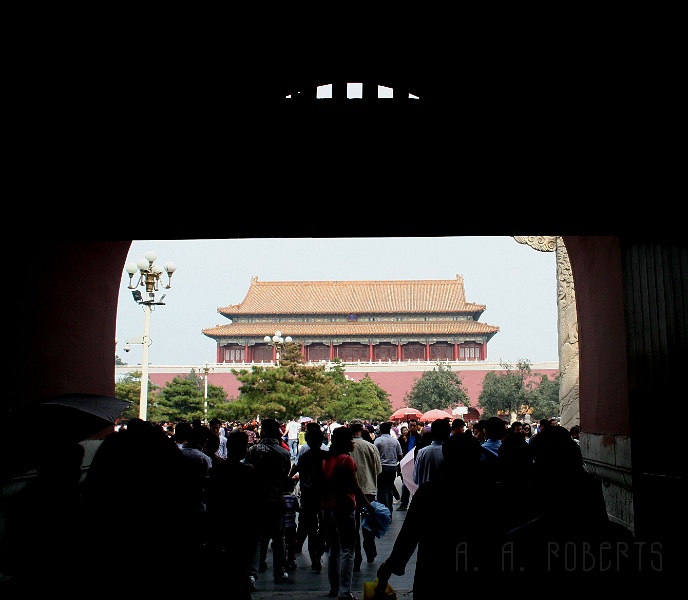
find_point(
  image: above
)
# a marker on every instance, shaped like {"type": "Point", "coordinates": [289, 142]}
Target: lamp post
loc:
{"type": "Point", "coordinates": [278, 342]}
{"type": "Point", "coordinates": [149, 278]}
{"type": "Point", "coordinates": [526, 412]}
{"type": "Point", "coordinates": [206, 368]}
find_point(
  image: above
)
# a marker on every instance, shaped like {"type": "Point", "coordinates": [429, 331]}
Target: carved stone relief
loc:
{"type": "Point", "coordinates": [567, 321]}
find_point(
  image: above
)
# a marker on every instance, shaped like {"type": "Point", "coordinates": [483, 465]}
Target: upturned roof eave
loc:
{"type": "Point", "coordinates": [233, 311]}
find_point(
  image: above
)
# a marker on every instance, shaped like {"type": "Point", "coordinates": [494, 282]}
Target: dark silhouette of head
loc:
{"type": "Point", "coordinates": [356, 425]}
{"type": "Point", "coordinates": [237, 444]}
{"type": "Point", "coordinates": [314, 437]}
{"type": "Point", "coordinates": [458, 425]}
{"type": "Point", "coordinates": [440, 429]}
{"type": "Point", "coordinates": [270, 428]}
{"type": "Point", "coordinates": [461, 456]}
{"type": "Point", "coordinates": [495, 428]}
{"type": "Point", "coordinates": [340, 441]}
{"type": "Point", "coordinates": [385, 427]}
{"type": "Point", "coordinates": [183, 432]}
{"type": "Point", "coordinates": [555, 455]}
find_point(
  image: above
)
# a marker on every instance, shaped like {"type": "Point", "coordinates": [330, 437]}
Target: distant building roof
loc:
{"type": "Point", "coordinates": [309, 309]}
{"type": "Point", "coordinates": [354, 297]}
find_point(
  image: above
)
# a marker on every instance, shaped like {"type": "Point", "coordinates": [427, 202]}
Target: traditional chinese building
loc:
{"type": "Point", "coordinates": [355, 321]}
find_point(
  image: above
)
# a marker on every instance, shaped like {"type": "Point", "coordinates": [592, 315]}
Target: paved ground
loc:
{"type": "Point", "coordinates": [309, 584]}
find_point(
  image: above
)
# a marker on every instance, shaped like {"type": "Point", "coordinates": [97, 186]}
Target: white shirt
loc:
{"type": "Point", "coordinates": [293, 429]}
{"type": "Point", "coordinates": [222, 450]}
{"type": "Point", "coordinates": [334, 426]}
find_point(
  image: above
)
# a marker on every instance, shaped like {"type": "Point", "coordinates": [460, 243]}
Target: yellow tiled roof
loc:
{"type": "Point", "coordinates": [354, 297]}
{"type": "Point", "coordinates": [361, 328]}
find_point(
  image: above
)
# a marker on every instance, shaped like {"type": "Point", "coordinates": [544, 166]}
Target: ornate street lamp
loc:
{"type": "Point", "coordinates": [278, 342]}
{"type": "Point", "coordinates": [149, 278]}
{"type": "Point", "coordinates": [526, 412]}
{"type": "Point", "coordinates": [206, 368]}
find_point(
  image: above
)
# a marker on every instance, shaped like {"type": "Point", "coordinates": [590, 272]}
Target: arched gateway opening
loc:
{"type": "Point", "coordinates": [631, 305]}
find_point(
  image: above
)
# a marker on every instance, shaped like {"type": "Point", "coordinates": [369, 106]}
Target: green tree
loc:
{"type": "Point", "coordinates": [383, 400]}
{"type": "Point", "coordinates": [119, 362]}
{"type": "Point", "coordinates": [280, 392]}
{"type": "Point", "coordinates": [359, 399]}
{"type": "Point", "coordinates": [219, 404]}
{"type": "Point", "coordinates": [513, 390]}
{"type": "Point", "coordinates": [294, 389]}
{"type": "Point", "coordinates": [544, 398]}
{"type": "Point", "coordinates": [497, 394]}
{"type": "Point", "coordinates": [439, 388]}
{"type": "Point", "coordinates": [180, 400]}
{"type": "Point", "coordinates": [128, 387]}
{"type": "Point", "coordinates": [504, 393]}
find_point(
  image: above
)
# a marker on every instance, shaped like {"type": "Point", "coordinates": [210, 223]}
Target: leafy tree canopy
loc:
{"type": "Point", "coordinates": [514, 392]}
{"type": "Point", "coordinates": [294, 389]}
{"type": "Point", "coordinates": [544, 398]}
{"type": "Point", "coordinates": [128, 387]}
{"type": "Point", "coordinates": [439, 388]}
{"type": "Point", "coordinates": [181, 399]}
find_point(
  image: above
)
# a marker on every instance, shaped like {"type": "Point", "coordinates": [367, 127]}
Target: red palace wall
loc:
{"type": "Point", "coordinates": [396, 383]}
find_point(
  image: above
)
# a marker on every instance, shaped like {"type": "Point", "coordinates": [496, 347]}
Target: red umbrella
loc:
{"type": "Point", "coordinates": [402, 414]}
{"type": "Point", "coordinates": [434, 414]}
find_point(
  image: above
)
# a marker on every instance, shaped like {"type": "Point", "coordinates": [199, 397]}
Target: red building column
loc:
{"type": "Point", "coordinates": [370, 351]}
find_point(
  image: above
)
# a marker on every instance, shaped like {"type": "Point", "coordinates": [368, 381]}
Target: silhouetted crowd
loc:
{"type": "Point", "coordinates": [491, 504]}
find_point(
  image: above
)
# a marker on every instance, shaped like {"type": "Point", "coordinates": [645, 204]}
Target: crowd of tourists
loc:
{"type": "Point", "coordinates": [239, 499]}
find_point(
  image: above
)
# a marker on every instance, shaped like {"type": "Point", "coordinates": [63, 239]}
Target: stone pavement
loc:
{"type": "Point", "coordinates": [306, 583]}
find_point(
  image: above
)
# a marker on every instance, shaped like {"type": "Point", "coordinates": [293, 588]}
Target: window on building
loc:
{"type": "Point", "coordinates": [234, 354]}
{"type": "Point", "coordinates": [469, 352]}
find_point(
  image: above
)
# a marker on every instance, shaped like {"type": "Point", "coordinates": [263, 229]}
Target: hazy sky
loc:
{"type": "Point", "coordinates": [516, 283]}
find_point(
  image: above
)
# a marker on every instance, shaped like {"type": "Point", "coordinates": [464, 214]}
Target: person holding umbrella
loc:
{"type": "Point", "coordinates": [407, 445]}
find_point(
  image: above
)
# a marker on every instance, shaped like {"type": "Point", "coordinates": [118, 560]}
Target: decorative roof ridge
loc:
{"type": "Point", "coordinates": [366, 281]}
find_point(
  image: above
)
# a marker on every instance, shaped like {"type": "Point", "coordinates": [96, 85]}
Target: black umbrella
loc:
{"type": "Point", "coordinates": [69, 418]}
{"type": "Point", "coordinates": [79, 416]}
